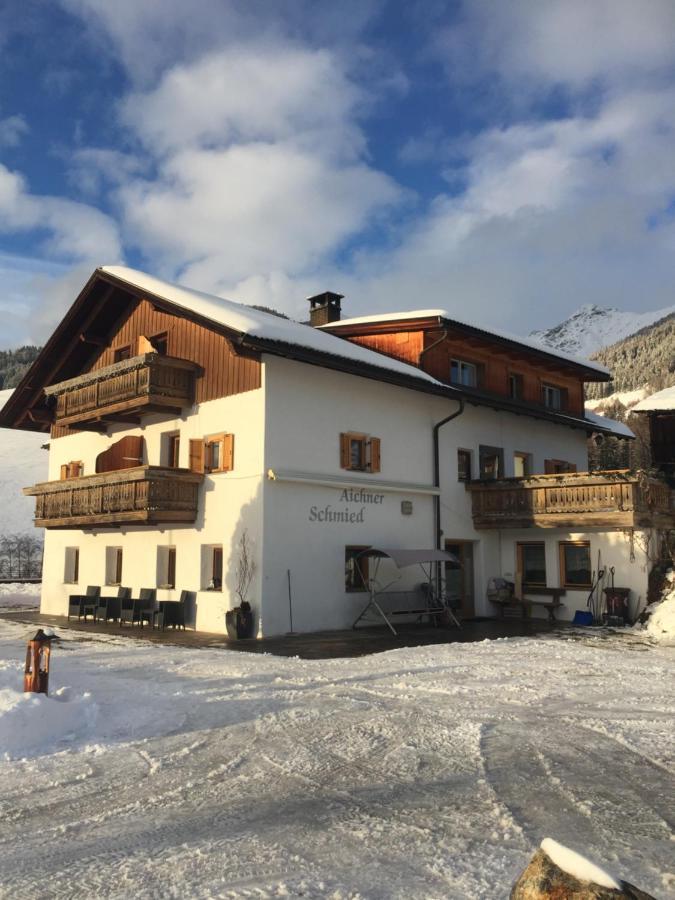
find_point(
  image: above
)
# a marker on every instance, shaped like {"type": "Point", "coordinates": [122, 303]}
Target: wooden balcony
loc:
{"type": "Point", "coordinates": [604, 499]}
{"type": "Point", "coordinates": [124, 391]}
{"type": "Point", "coordinates": [143, 495]}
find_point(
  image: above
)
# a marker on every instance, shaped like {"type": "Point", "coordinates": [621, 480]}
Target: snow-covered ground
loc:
{"type": "Point", "coordinates": [22, 463]}
{"type": "Point", "coordinates": [18, 595]}
{"type": "Point", "coordinates": [163, 771]}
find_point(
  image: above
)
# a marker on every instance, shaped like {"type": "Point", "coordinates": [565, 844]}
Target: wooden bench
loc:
{"type": "Point", "coordinates": [526, 603]}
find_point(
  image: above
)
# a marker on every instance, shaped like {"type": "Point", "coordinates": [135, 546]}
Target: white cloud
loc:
{"type": "Point", "coordinates": [262, 92]}
{"type": "Point", "coordinates": [12, 129]}
{"type": "Point", "coordinates": [570, 42]}
{"type": "Point", "coordinates": [75, 231]}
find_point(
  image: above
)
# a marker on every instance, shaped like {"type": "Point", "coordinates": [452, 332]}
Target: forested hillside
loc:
{"type": "Point", "coordinates": [646, 358]}
{"type": "Point", "coordinates": [14, 363]}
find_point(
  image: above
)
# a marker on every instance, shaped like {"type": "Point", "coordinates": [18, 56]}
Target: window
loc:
{"type": "Point", "coordinates": [122, 353]}
{"type": "Point", "coordinates": [212, 567]}
{"type": "Point", "coordinates": [72, 469]}
{"type": "Point", "coordinates": [463, 465]}
{"type": "Point", "coordinates": [160, 343]}
{"type": "Point", "coordinates": [172, 450]}
{"type": "Point", "coordinates": [113, 565]}
{"type": "Point", "coordinates": [356, 569]}
{"type": "Point", "coordinates": [522, 464]}
{"type": "Point", "coordinates": [558, 467]}
{"type": "Point", "coordinates": [531, 563]}
{"type": "Point", "coordinates": [71, 574]}
{"type": "Point", "coordinates": [462, 372]}
{"type": "Point", "coordinates": [552, 396]}
{"type": "Point", "coordinates": [166, 567]}
{"type": "Point", "coordinates": [491, 463]}
{"type": "Point", "coordinates": [575, 564]}
{"type": "Point", "coordinates": [515, 386]}
{"type": "Point", "coordinates": [212, 454]}
{"type": "Point", "coordinates": [359, 452]}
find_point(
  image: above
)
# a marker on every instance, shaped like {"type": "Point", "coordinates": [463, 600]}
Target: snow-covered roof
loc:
{"type": "Point", "coordinates": [444, 314]}
{"type": "Point", "coordinates": [255, 323]}
{"type": "Point", "coordinates": [664, 399]}
{"type": "Point", "coordinates": [604, 422]}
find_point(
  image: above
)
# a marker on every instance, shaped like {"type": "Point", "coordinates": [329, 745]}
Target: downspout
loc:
{"type": "Point", "coordinates": [437, 484]}
{"type": "Point", "coordinates": [437, 469]}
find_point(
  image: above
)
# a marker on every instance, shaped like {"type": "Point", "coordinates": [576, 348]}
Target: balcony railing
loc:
{"type": "Point", "coordinates": [614, 499]}
{"type": "Point", "coordinates": [145, 495]}
{"type": "Point", "coordinates": [123, 391]}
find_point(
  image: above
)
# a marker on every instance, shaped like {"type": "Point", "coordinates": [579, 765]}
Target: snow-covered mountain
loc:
{"type": "Point", "coordinates": [22, 462]}
{"type": "Point", "coordinates": [593, 327]}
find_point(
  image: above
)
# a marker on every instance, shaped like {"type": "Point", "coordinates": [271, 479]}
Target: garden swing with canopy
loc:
{"type": "Point", "coordinates": [428, 600]}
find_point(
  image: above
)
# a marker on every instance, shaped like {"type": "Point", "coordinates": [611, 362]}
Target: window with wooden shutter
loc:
{"type": "Point", "coordinates": [219, 453]}
{"type": "Point", "coordinates": [359, 452]}
{"type": "Point", "coordinates": [196, 455]}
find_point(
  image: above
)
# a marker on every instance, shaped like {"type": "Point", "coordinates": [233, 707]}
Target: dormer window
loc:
{"type": "Point", "coordinates": [464, 373]}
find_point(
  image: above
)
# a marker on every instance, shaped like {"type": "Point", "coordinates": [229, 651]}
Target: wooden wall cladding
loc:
{"type": "Point", "coordinates": [493, 362]}
{"type": "Point", "coordinates": [495, 365]}
{"type": "Point", "coordinates": [403, 345]}
{"type": "Point", "coordinates": [224, 371]}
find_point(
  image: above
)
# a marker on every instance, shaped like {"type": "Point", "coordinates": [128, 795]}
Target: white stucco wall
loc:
{"type": "Point", "coordinates": [630, 552]}
{"type": "Point", "coordinates": [292, 425]}
{"type": "Point", "coordinates": [228, 503]}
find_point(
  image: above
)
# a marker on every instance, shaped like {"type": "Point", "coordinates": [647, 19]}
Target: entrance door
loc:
{"type": "Point", "coordinates": [459, 577]}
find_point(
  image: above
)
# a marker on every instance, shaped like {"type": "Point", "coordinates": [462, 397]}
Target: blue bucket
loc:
{"type": "Point", "coordinates": [582, 617]}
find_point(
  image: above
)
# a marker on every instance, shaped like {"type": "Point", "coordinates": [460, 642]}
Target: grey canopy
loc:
{"type": "Point", "coordinates": [404, 558]}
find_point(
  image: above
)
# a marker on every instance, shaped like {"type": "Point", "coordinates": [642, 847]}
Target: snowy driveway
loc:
{"type": "Point", "coordinates": [430, 772]}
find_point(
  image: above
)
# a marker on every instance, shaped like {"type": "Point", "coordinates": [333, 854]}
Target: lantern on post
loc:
{"type": "Point", "coordinates": [36, 673]}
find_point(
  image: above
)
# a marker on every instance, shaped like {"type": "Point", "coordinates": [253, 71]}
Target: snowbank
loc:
{"type": "Point", "coordinates": [33, 724]}
{"type": "Point", "coordinates": [20, 595]}
{"type": "Point", "coordinates": [660, 626]}
{"type": "Point", "coordinates": [661, 622]}
{"type": "Point", "coordinates": [22, 462]}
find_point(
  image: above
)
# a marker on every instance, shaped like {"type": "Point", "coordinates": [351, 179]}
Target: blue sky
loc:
{"type": "Point", "coordinates": [508, 161]}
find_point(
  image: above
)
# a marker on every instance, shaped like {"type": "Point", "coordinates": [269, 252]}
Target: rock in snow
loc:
{"type": "Point", "coordinates": [558, 873]}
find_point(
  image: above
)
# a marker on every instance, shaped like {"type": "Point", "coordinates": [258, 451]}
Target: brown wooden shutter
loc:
{"type": "Point", "coordinates": [171, 567]}
{"type": "Point", "coordinates": [144, 345]}
{"type": "Point", "coordinates": [64, 472]}
{"type": "Point", "coordinates": [344, 451]}
{"type": "Point", "coordinates": [196, 455]}
{"type": "Point", "coordinates": [228, 452]}
{"type": "Point", "coordinates": [74, 469]}
{"type": "Point", "coordinates": [549, 467]}
{"type": "Point", "coordinates": [374, 462]}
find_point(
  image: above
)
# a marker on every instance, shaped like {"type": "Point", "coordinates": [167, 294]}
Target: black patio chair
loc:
{"type": "Point", "coordinates": [108, 608]}
{"type": "Point", "coordinates": [78, 602]}
{"type": "Point", "coordinates": [171, 612]}
{"type": "Point", "coordinates": [145, 605]}
{"type": "Point", "coordinates": [127, 610]}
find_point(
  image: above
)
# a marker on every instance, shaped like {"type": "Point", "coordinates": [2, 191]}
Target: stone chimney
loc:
{"type": "Point", "coordinates": [324, 308]}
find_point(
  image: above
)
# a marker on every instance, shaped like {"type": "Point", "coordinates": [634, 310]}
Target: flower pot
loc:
{"type": "Point", "coordinates": [239, 623]}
